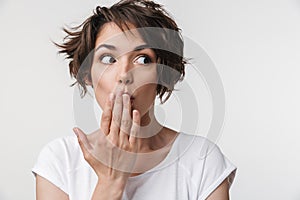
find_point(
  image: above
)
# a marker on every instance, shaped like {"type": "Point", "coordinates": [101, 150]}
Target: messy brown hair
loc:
{"type": "Point", "coordinates": [80, 41]}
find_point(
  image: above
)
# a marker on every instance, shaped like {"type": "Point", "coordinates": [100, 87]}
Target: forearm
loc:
{"type": "Point", "coordinates": [109, 190]}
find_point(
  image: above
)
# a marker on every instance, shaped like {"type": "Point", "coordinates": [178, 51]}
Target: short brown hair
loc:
{"type": "Point", "coordinates": [80, 40]}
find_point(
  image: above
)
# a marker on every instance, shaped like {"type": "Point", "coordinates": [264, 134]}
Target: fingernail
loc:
{"type": "Point", "coordinates": [125, 97]}
{"type": "Point", "coordinates": [135, 112]}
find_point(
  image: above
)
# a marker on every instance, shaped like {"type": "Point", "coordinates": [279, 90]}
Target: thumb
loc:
{"type": "Point", "coordinates": [82, 139]}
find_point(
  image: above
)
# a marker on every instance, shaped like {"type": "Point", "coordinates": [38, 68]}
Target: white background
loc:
{"type": "Point", "coordinates": [255, 46]}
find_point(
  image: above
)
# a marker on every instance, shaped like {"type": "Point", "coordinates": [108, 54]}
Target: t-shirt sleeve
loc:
{"type": "Point", "coordinates": [51, 164]}
{"type": "Point", "coordinates": [217, 168]}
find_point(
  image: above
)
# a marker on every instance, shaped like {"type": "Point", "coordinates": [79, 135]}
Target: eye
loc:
{"type": "Point", "coordinates": [144, 59]}
{"type": "Point", "coordinates": [107, 59]}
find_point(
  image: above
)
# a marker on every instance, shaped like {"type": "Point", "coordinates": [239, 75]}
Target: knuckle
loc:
{"type": "Point", "coordinates": [116, 118]}
{"type": "Point", "coordinates": [133, 141]}
{"type": "Point", "coordinates": [108, 109]}
{"type": "Point", "coordinates": [106, 117]}
{"type": "Point", "coordinates": [134, 133]}
{"type": "Point", "coordinates": [113, 143]}
{"type": "Point", "coordinates": [125, 146]}
{"type": "Point", "coordinates": [114, 129]}
{"type": "Point", "coordinates": [117, 126]}
{"type": "Point", "coordinates": [125, 123]}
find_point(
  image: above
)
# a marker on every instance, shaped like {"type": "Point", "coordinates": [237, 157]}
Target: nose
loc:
{"type": "Point", "coordinates": [125, 78]}
{"type": "Point", "coordinates": [125, 73]}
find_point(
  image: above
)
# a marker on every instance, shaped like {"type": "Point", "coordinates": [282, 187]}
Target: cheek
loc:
{"type": "Point", "coordinates": [102, 85]}
{"type": "Point", "coordinates": [145, 76]}
{"type": "Point", "coordinates": [102, 77]}
{"type": "Point", "coordinates": [97, 74]}
{"type": "Point", "coordinates": [146, 82]}
{"type": "Point", "coordinates": [146, 99]}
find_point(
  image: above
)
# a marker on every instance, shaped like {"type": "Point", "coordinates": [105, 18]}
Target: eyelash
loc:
{"type": "Point", "coordinates": [146, 56]}
{"type": "Point", "coordinates": [111, 56]}
{"type": "Point", "coordinates": [105, 55]}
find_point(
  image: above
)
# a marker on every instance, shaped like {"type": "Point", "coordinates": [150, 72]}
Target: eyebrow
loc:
{"type": "Point", "coordinates": [111, 47]}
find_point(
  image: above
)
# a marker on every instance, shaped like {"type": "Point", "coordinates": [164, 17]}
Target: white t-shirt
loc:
{"type": "Point", "coordinates": [192, 170]}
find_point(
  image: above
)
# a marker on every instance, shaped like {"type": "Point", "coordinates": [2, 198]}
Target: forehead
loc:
{"type": "Point", "coordinates": [113, 35]}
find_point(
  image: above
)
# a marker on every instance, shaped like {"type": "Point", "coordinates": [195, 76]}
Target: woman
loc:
{"type": "Point", "coordinates": [128, 54]}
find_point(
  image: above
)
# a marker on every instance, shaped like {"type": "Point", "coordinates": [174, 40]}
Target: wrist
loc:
{"type": "Point", "coordinates": [109, 189]}
{"type": "Point", "coordinates": [113, 188]}
{"type": "Point", "coordinates": [118, 183]}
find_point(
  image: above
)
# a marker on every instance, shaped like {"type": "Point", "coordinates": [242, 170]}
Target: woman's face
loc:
{"type": "Point", "coordinates": [123, 62]}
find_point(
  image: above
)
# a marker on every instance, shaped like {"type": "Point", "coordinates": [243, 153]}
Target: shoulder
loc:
{"type": "Point", "coordinates": [204, 161]}
{"type": "Point", "coordinates": [196, 147]}
{"type": "Point", "coordinates": [64, 142]}
{"type": "Point", "coordinates": [65, 150]}
{"type": "Point", "coordinates": [56, 159]}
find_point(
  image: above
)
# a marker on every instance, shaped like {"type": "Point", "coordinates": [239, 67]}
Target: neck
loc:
{"type": "Point", "coordinates": [149, 125]}
{"type": "Point", "coordinates": [151, 131]}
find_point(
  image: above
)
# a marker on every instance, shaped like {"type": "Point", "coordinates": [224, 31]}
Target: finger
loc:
{"type": "Point", "coordinates": [83, 143]}
{"type": "Point", "coordinates": [107, 114]}
{"type": "Point", "coordinates": [126, 120]}
{"type": "Point", "coordinates": [116, 118]}
{"type": "Point", "coordinates": [135, 128]}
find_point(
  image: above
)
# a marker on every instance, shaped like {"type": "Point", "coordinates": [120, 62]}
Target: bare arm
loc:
{"type": "Point", "coordinates": [45, 190]}
{"type": "Point", "coordinates": [111, 181]}
{"type": "Point", "coordinates": [221, 193]}
{"type": "Point", "coordinates": [113, 191]}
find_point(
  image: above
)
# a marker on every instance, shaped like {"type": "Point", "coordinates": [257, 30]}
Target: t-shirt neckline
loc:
{"type": "Point", "coordinates": [165, 162]}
